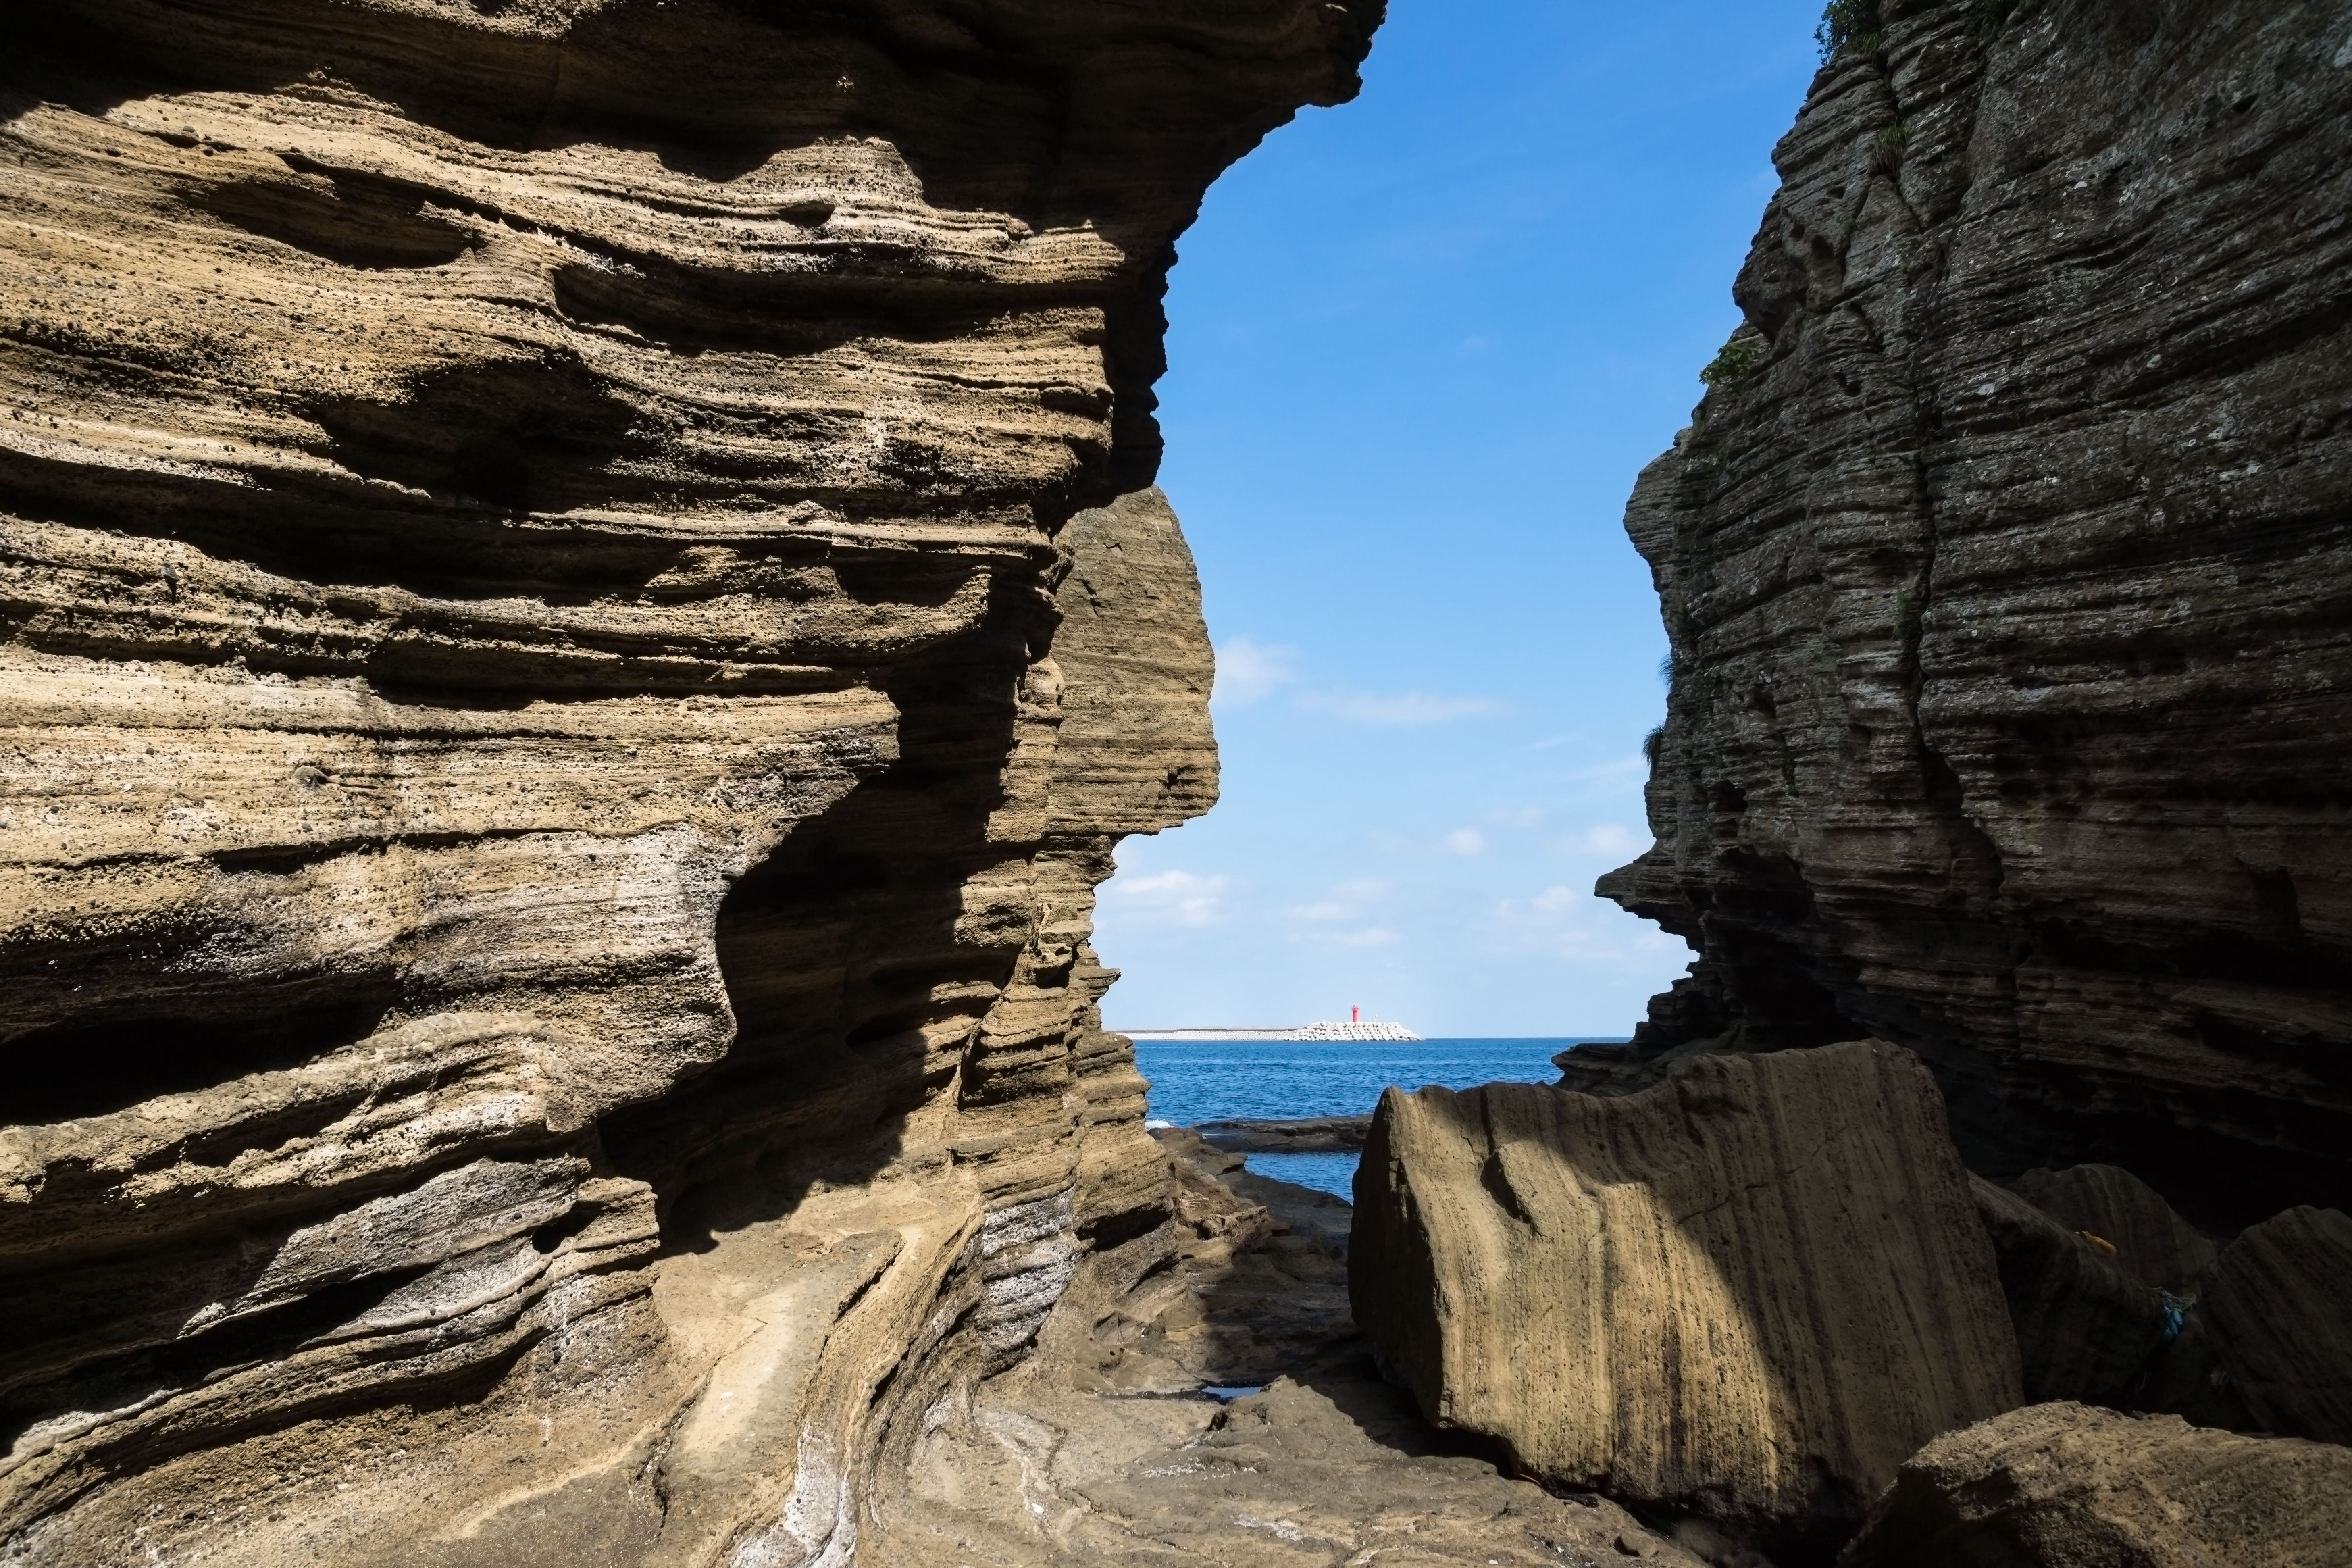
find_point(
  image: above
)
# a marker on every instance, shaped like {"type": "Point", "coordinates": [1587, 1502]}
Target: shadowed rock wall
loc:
{"type": "Point", "coordinates": [2005, 566]}
{"type": "Point", "coordinates": [579, 617]}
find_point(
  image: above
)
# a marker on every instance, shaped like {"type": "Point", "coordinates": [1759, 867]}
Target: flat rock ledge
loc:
{"type": "Point", "coordinates": [1295, 1136]}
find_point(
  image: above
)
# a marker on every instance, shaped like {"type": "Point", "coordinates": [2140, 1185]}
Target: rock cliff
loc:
{"type": "Point", "coordinates": [2004, 566]}
{"type": "Point", "coordinates": [579, 616]}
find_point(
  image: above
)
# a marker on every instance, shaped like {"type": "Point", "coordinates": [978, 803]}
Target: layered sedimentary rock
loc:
{"type": "Point", "coordinates": [2064, 1486]}
{"type": "Point", "coordinates": [579, 616]}
{"type": "Point", "coordinates": [1750, 1292]}
{"type": "Point", "coordinates": [2004, 565]}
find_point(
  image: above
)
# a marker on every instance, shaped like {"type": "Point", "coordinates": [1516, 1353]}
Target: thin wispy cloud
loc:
{"type": "Point", "coordinates": [1515, 816]}
{"type": "Point", "coordinates": [1401, 708]}
{"type": "Point", "coordinates": [1570, 923]}
{"type": "Point", "coordinates": [1610, 841]}
{"type": "Point", "coordinates": [1465, 841]}
{"type": "Point", "coordinates": [1345, 918]}
{"type": "Point", "coordinates": [1349, 902]}
{"type": "Point", "coordinates": [1171, 898]}
{"type": "Point", "coordinates": [1250, 672]}
{"type": "Point", "coordinates": [1617, 768]}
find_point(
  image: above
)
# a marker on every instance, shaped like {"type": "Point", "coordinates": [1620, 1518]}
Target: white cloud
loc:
{"type": "Point", "coordinates": [1173, 898]}
{"type": "Point", "coordinates": [1249, 670]}
{"type": "Point", "coordinates": [1515, 816]}
{"type": "Point", "coordinates": [1348, 901]}
{"type": "Point", "coordinates": [1465, 841]}
{"type": "Point", "coordinates": [1609, 840]}
{"type": "Point", "coordinates": [1570, 923]}
{"type": "Point", "coordinates": [1344, 917]}
{"type": "Point", "coordinates": [1623, 767]}
{"type": "Point", "coordinates": [1401, 708]}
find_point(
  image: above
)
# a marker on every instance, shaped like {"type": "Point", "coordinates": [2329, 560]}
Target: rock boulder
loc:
{"type": "Point", "coordinates": [2065, 1486]}
{"type": "Point", "coordinates": [2151, 1243]}
{"type": "Point", "coordinates": [1750, 1293]}
{"type": "Point", "coordinates": [2279, 1305]}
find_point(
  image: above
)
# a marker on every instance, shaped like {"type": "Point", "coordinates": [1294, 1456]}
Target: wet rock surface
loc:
{"type": "Point", "coordinates": [2066, 1486]}
{"type": "Point", "coordinates": [1749, 1293]}
{"type": "Point", "coordinates": [2002, 566]}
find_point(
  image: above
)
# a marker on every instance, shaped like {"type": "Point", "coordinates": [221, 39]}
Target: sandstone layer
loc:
{"type": "Point", "coordinates": [2004, 566]}
{"type": "Point", "coordinates": [580, 612]}
{"type": "Point", "coordinates": [1750, 1292]}
{"type": "Point", "coordinates": [2064, 1486]}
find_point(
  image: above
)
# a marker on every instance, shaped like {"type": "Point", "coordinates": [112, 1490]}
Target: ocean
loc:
{"type": "Point", "coordinates": [1208, 1080]}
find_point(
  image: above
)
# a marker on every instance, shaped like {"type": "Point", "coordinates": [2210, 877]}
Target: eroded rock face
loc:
{"type": "Point", "coordinates": [581, 617]}
{"type": "Point", "coordinates": [2005, 590]}
{"type": "Point", "coordinates": [1750, 1292]}
{"type": "Point", "coordinates": [2066, 1486]}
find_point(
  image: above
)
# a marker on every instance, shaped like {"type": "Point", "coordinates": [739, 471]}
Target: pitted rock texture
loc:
{"type": "Point", "coordinates": [580, 612]}
{"type": "Point", "coordinates": [1749, 1293]}
{"type": "Point", "coordinates": [2065, 1486]}
{"type": "Point", "coordinates": [2006, 589]}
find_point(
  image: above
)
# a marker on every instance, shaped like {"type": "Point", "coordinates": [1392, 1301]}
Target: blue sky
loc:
{"type": "Point", "coordinates": [1420, 346]}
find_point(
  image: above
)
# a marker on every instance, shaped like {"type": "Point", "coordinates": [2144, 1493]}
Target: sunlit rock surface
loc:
{"type": "Point", "coordinates": [582, 613]}
{"type": "Point", "coordinates": [2004, 566]}
{"type": "Point", "coordinates": [1747, 1293]}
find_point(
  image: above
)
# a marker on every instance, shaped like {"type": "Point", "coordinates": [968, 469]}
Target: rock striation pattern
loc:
{"type": "Point", "coordinates": [2064, 1486]}
{"type": "Point", "coordinates": [580, 611]}
{"type": "Point", "coordinates": [1750, 1292]}
{"type": "Point", "coordinates": [2004, 567]}
{"type": "Point", "coordinates": [2152, 1244]}
{"type": "Point", "coordinates": [2276, 1304]}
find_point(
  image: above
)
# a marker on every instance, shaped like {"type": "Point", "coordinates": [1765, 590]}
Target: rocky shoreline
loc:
{"type": "Point", "coordinates": [1288, 1135]}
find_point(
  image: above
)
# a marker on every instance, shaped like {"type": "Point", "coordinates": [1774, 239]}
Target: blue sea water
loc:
{"type": "Point", "coordinates": [1209, 1080]}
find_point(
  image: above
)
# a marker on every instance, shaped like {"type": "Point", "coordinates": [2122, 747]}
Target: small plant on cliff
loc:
{"type": "Point", "coordinates": [1743, 353]}
{"type": "Point", "coordinates": [1886, 148]}
{"type": "Point", "coordinates": [1850, 24]}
